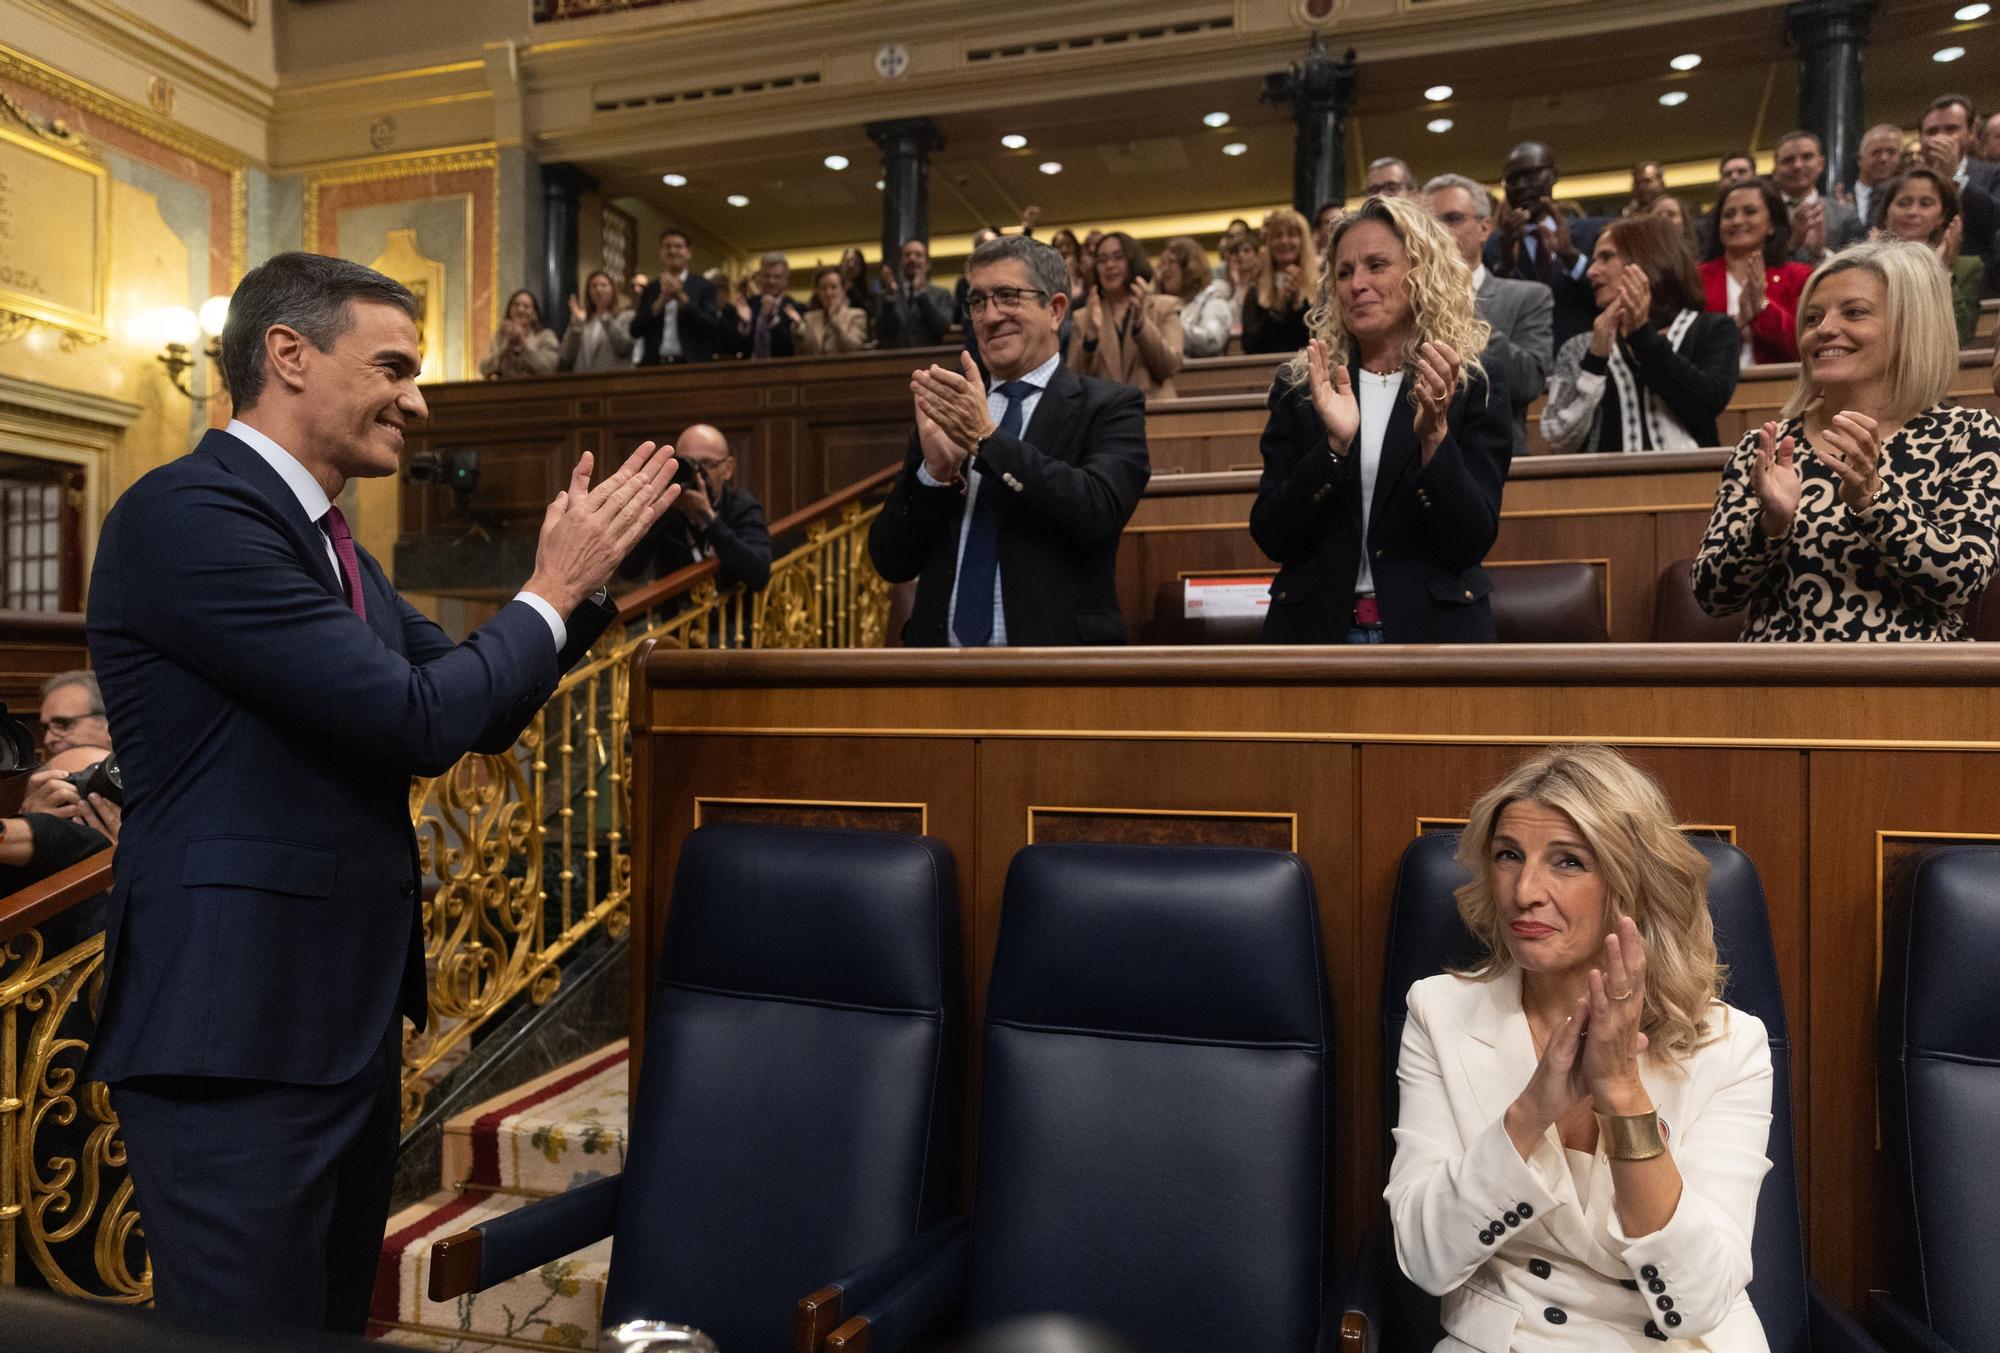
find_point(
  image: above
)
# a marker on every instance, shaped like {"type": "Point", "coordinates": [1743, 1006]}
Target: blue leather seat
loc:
{"type": "Point", "coordinates": [1426, 936]}
{"type": "Point", "coordinates": [1939, 1063]}
{"type": "Point", "coordinates": [797, 1113]}
{"type": "Point", "coordinates": [1154, 1102]}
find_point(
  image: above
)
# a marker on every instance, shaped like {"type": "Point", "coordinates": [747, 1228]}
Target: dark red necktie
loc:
{"type": "Point", "coordinates": [350, 563]}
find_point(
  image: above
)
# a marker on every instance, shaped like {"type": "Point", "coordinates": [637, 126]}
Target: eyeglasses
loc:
{"type": "Point", "coordinates": [62, 723]}
{"type": "Point", "coordinates": [1004, 299]}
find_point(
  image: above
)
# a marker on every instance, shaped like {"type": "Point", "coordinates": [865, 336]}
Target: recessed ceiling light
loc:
{"type": "Point", "coordinates": [1013, 140]}
{"type": "Point", "coordinates": [880, 184]}
{"type": "Point", "coordinates": [835, 162]}
{"type": "Point", "coordinates": [1438, 93]}
{"type": "Point", "coordinates": [1439, 124]}
{"type": "Point", "coordinates": [1216, 119]}
{"type": "Point", "coordinates": [737, 200]}
{"type": "Point", "coordinates": [1967, 13]}
{"type": "Point", "coordinates": [1673, 98]}
{"type": "Point", "coordinates": [1234, 148]}
{"type": "Point", "coordinates": [1947, 53]}
{"type": "Point", "coordinates": [1685, 61]}
{"type": "Point", "coordinates": [674, 180]}
{"type": "Point", "coordinates": [1050, 167]}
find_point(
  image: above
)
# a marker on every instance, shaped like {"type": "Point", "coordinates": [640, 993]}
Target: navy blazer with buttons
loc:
{"type": "Point", "coordinates": [264, 922]}
{"type": "Point", "coordinates": [1429, 526]}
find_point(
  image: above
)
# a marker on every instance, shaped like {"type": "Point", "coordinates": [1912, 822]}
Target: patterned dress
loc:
{"type": "Point", "coordinates": [1906, 566]}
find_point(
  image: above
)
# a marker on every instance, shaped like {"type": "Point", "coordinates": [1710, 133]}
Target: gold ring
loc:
{"type": "Point", "coordinates": [1625, 996]}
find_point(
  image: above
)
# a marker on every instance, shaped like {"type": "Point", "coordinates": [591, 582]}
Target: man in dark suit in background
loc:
{"type": "Point", "coordinates": [1537, 243]}
{"type": "Point", "coordinates": [912, 313]}
{"type": "Point", "coordinates": [1010, 504]}
{"type": "Point", "coordinates": [1521, 350]}
{"type": "Point", "coordinates": [271, 697]}
{"type": "Point", "coordinates": [712, 517]}
{"type": "Point", "coordinates": [678, 318]}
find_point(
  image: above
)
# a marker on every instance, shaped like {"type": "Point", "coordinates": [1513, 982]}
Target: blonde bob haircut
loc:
{"type": "Point", "coordinates": [1440, 288]}
{"type": "Point", "coordinates": [1650, 872]}
{"type": "Point", "coordinates": [1922, 333]}
{"type": "Point", "coordinates": [1285, 221]}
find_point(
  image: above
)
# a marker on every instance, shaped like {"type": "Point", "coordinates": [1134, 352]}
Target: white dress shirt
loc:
{"type": "Point", "coordinates": [1478, 276]}
{"type": "Point", "coordinates": [1531, 240]}
{"type": "Point", "coordinates": [670, 320]}
{"type": "Point", "coordinates": [315, 502]}
{"type": "Point", "coordinates": [996, 405]}
{"type": "Point", "coordinates": [1377, 397]}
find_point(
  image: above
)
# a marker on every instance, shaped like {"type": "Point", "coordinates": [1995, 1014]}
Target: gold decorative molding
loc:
{"type": "Point", "coordinates": [47, 161]}
{"type": "Point", "coordinates": [243, 11]}
{"type": "Point", "coordinates": [89, 99]}
{"type": "Point", "coordinates": [384, 168]}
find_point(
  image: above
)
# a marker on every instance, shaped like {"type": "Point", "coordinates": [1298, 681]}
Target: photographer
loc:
{"type": "Point", "coordinates": [72, 713]}
{"type": "Point", "coordinates": [712, 517]}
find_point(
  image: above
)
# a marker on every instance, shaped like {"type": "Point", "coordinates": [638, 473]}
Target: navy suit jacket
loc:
{"type": "Point", "coordinates": [1575, 298]}
{"type": "Point", "coordinates": [264, 922]}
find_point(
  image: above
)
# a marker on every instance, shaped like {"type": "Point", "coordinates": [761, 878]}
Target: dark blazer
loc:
{"type": "Point", "coordinates": [738, 533]}
{"type": "Point", "coordinates": [785, 324]}
{"type": "Point", "coordinates": [698, 321]}
{"type": "Point", "coordinates": [264, 922]}
{"type": "Point", "coordinates": [1069, 484]}
{"type": "Point", "coordinates": [1575, 301]}
{"type": "Point", "coordinates": [1429, 526]}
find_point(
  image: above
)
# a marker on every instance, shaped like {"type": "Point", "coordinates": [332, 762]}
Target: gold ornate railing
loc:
{"type": "Point", "coordinates": [528, 855]}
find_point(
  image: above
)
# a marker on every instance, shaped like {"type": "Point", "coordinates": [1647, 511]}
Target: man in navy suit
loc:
{"type": "Point", "coordinates": [271, 697]}
{"type": "Point", "coordinates": [1535, 242]}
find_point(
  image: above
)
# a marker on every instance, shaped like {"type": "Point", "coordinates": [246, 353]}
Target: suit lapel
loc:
{"type": "Point", "coordinates": [305, 534]}
{"type": "Point", "coordinates": [1052, 412]}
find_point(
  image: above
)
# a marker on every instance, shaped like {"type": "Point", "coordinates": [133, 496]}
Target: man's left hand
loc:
{"type": "Point", "coordinates": [694, 504]}
{"type": "Point", "coordinates": [957, 402]}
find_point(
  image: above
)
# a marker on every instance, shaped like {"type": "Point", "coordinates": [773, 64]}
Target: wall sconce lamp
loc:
{"type": "Point", "coordinates": [179, 329]}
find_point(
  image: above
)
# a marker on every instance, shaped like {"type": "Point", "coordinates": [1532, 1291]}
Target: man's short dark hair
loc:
{"type": "Point", "coordinates": [1800, 134]}
{"type": "Point", "coordinates": [1944, 101]}
{"type": "Point", "coordinates": [1045, 265]}
{"type": "Point", "coordinates": [676, 230]}
{"type": "Point", "coordinates": [914, 239]}
{"type": "Point", "coordinates": [307, 292]}
{"type": "Point", "coordinates": [1737, 155]}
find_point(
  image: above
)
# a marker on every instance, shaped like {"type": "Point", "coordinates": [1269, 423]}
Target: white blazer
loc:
{"type": "Point", "coordinates": [1524, 1261]}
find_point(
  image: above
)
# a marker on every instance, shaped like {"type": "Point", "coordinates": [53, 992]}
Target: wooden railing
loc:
{"type": "Point", "coordinates": [529, 852]}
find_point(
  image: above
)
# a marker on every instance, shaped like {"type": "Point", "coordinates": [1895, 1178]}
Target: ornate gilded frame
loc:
{"type": "Point", "coordinates": [22, 311]}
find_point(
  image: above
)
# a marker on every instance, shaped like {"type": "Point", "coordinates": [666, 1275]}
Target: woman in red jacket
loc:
{"type": "Point", "coordinates": [1745, 273]}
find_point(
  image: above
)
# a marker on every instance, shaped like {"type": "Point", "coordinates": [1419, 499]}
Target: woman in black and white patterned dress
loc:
{"type": "Point", "coordinates": [1872, 510]}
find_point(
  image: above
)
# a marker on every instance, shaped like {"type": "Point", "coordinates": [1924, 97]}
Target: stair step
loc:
{"type": "Point", "coordinates": [557, 1131]}
{"type": "Point", "coordinates": [559, 1305]}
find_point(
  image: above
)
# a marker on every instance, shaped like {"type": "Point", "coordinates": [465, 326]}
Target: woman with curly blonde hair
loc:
{"type": "Point", "coordinates": [1386, 447]}
{"type": "Point", "coordinates": [1288, 278]}
{"type": "Point", "coordinates": [1587, 1073]}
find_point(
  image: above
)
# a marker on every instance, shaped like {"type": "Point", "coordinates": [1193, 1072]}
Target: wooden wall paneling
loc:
{"type": "Point", "coordinates": [1624, 541]}
{"type": "Point", "coordinates": [1312, 782]}
{"type": "Point", "coordinates": [1869, 809]}
{"type": "Point", "coordinates": [1761, 794]}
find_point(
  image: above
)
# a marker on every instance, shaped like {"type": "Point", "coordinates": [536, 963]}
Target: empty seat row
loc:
{"type": "Point", "coordinates": [1154, 1095]}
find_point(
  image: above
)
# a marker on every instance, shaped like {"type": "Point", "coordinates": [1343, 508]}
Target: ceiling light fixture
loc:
{"type": "Point", "coordinates": [1235, 148]}
{"type": "Point", "coordinates": [1216, 120]}
{"type": "Point", "coordinates": [1050, 167]}
{"type": "Point", "coordinates": [737, 200]}
{"type": "Point", "coordinates": [1673, 98]}
{"type": "Point", "coordinates": [1967, 13]}
{"type": "Point", "coordinates": [835, 162]}
{"type": "Point", "coordinates": [1014, 141]}
{"type": "Point", "coordinates": [1947, 54]}
{"type": "Point", "coordinates": [880, 184]}
{"type": "Point", "coordinates": [674, 180]}
{"type": "Point", "coordinates": [1685, 61]}
{"type": "Point", "coordinates": [1438, 93]}
{"type": "Point", "coordinates": [1439, 124]}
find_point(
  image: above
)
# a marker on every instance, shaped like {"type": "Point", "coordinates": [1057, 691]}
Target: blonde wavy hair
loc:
{"type": "Point", "coordinates": [1284, 220]}
{"type": "Point", "coordinates": [1650, 872]}
{"type": "Point", "coordinates": [1923, 353]}
{"type": "Point", "coordinates": [1440, 288]}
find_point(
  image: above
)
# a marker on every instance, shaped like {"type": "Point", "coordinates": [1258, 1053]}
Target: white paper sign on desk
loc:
{"type": "Point", "coordinates": [1225, 598]}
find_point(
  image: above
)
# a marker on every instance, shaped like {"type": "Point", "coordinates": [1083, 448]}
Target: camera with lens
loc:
{"type": "Point", "coordinates": [103, 778]}
{"type": "Point", "coordinates": [455, 470]}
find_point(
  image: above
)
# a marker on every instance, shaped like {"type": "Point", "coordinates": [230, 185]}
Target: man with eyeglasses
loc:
{"type": "Point", "coordinates": [73, 713]}
{"type": "Point", "coordinates": [712, 518]}
{"type": "Point", "coordinates": [1522, 313]}
{"type": "Point", "coordinates": [1390, 177]}
{"type": "Point", "coordinates": [1013, 495]}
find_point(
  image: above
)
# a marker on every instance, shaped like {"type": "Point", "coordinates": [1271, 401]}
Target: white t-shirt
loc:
{"type": "Point", "coordinates": [1377, 397]}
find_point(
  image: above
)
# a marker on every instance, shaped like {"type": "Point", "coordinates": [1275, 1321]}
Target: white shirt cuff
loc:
{"type": "Point", "coordinates": [557, 629]}
{"type": "Point", "coordinates": [925, 478]}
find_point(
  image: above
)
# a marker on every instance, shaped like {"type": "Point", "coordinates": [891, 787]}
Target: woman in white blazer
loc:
{"type": "Point", "coordinates": [1583, 1121]}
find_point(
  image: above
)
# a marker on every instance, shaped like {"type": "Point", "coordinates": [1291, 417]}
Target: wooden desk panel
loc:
{"type": "Point", "coordinates": [1819, 761]}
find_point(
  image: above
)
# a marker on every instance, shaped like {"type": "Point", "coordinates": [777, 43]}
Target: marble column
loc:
{"type": "Point", "coordinates": [563, 187]}
{"type": "Point", "coordinates": [1828, 35]}
{"type": "Point", "coordinates": [1320, 91]}
{"type": "Point", "coordinates": [906, 145]}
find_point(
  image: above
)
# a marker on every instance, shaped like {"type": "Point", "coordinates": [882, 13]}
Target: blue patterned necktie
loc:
{"type": "Point", "coordinates": [972, 620]}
